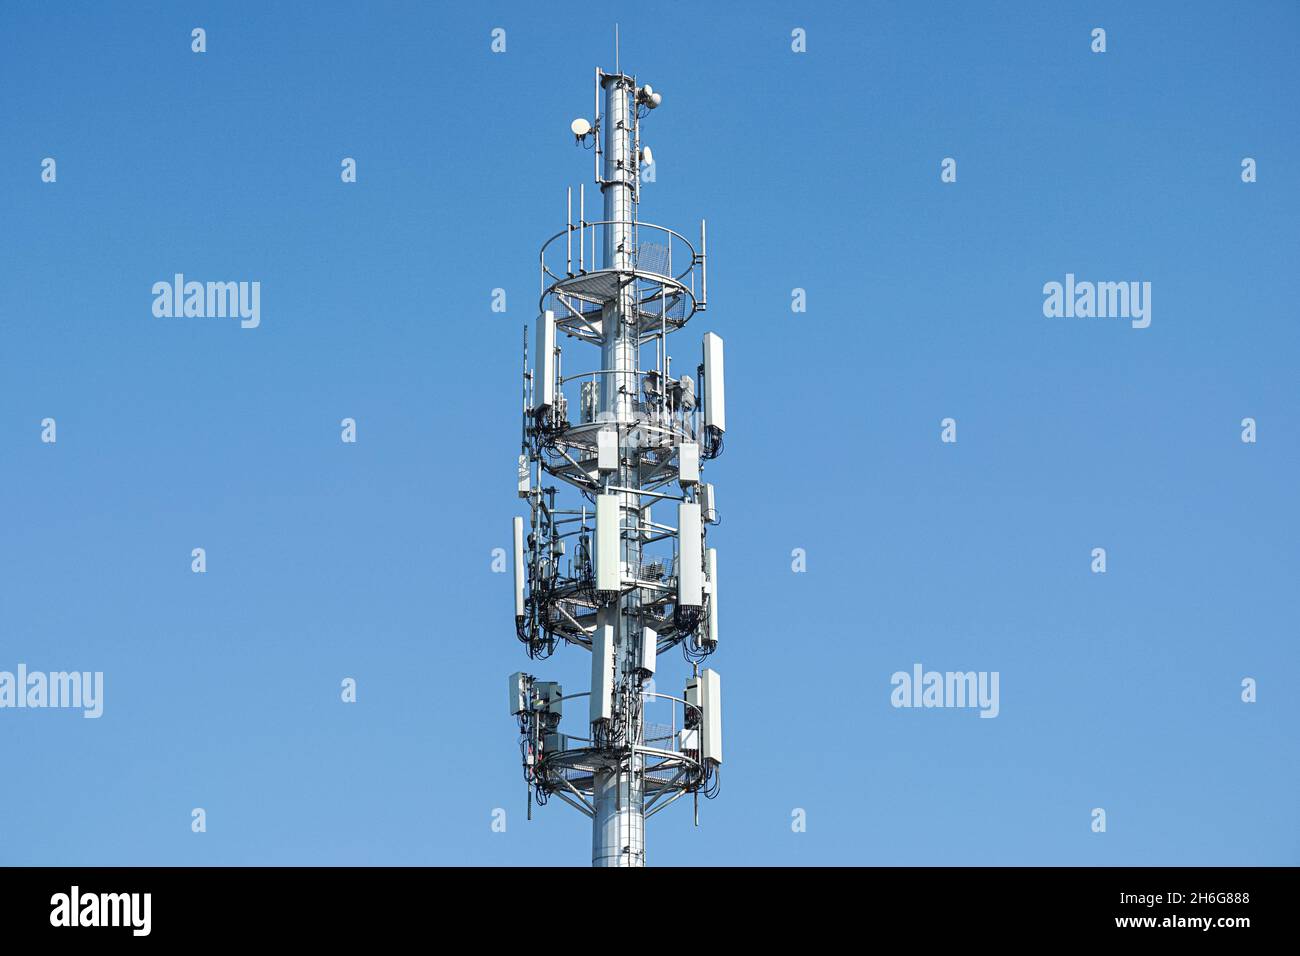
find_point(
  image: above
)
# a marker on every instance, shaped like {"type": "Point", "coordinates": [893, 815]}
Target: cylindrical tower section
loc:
{"type": "Point", "coordinates": [618, 828]}
{"type": "Point", "coordinates": [618, 824]}
{"type": "Point", "coordinates": [617, 353]}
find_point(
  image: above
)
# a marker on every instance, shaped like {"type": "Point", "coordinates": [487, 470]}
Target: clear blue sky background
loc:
{"type": "Point", "coordinates": [818, 171]}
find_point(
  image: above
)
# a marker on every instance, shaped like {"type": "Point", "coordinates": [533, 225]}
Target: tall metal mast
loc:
{"type": "Point", "coordinates": [632, 586]}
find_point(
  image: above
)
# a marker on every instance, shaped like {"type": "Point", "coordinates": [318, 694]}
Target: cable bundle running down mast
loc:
{"type": "Point", "coordinates": [615, 559]}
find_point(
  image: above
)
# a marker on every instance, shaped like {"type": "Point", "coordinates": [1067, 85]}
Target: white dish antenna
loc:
{"type": "Point", "coordinates": [580, 127]}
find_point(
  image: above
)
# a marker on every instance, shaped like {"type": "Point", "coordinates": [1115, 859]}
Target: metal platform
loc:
{"type": "Point", "coordinates": [658, 298]}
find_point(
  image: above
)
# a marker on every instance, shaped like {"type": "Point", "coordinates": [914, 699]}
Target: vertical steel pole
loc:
{"type": "Point", "coordinates": [618, 826]}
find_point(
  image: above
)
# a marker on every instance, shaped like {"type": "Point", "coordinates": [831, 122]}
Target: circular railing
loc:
{"type": "Point", "coordinates": [657, 251]}
{"type": "Point", "coordinates": [661, 748]}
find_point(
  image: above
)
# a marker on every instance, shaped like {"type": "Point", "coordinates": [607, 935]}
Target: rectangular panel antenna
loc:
{"type": "Point", "coordinates": [715, 404]}
{"type": "Point", "coordinates": [690, 566]}
{"type": "Point", "coordinates": [545, 393]}
{"type": "Point", "coordinates": [519, 567]}
{"type": "Point", "coordinates": [609, 543]}
{"type": "Point", "coordinates": [602, 673]}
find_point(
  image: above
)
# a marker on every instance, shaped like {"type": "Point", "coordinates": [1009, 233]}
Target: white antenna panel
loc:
{"type": "Point", "coordinates": [690, 584]}
{"type": "Point", "coordinates": [545, 394]}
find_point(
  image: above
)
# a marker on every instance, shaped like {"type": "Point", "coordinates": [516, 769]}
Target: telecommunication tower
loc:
{"type": "Point", "coordinates": [615, 558]}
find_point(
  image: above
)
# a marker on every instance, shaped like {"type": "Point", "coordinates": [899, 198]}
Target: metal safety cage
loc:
{"type": "Point", "coordinates": [663, 299]}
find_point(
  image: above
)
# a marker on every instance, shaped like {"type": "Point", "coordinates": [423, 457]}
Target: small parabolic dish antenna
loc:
{"type": "Point", "coordinates": [580, 127]}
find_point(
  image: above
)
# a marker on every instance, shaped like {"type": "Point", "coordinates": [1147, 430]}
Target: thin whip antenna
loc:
{"type": "Point", "coordinates": [616, 69]}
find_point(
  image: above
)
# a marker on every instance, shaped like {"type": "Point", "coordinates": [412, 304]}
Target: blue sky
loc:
{"type": "Point", "coordinates": [817, 171]}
